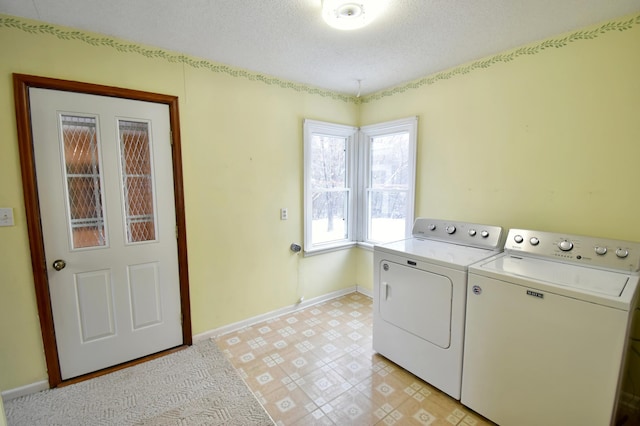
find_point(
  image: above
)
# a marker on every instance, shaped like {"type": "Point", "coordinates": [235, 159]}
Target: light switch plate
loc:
{"type": "Point", "coordinates": [6, 217]}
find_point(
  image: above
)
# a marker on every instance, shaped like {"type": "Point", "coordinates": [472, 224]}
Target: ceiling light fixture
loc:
{"type": "Point", "coordinates": [350, 14]}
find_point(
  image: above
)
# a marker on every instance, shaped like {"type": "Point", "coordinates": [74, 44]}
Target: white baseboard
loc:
{"type": "Point", "coordinates": [44, 385]}
{"type": "Point", "coordinates": [220, 331]}
{"type": "Point", "coordinates": [25, 390]}
{"type": "Point", "coordinates": [365, 291]}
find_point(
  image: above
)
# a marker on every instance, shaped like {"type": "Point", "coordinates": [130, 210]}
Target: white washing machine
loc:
{"type": "Point", "coordinates": [420, 288]}
{"type": "Point", "coordinates": [546, 329]}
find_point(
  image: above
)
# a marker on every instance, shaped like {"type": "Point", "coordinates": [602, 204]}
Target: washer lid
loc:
{"type": "Point", "coordinates": [578, 278]}
{"type": "Point", "coordinates": [446, 254]}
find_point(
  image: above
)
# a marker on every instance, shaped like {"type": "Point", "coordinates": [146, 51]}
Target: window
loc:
{"type": "Point", "coordinates": [386, 202]}
{"type": "Point", "coordinates": [359, 184]}
{"type": "Point", "coordinates": [329, 185]}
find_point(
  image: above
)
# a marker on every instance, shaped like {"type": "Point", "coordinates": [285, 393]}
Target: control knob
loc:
{"type": "Point", "coordinates": [450, 229]}
{"type": "Point", "coordinates": [432, 227]}
{"type": "Point", "coordinates": [534, 241]}
{"type": "Point", "coordinates": [472, 232]}
{"type": "Point", "coordinates": [565, 245]}
{"type": "Point", "coordinates": [601, 250]}
{"type": "Point", "coordinates": [484, 234]}
{"type": "Point", "coordinates": [518, 239]}
{"type": "Point", "coordinates": [622, 253]}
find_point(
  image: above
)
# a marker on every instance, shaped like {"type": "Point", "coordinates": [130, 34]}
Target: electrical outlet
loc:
{"type": "Point", "coordinates": [284, 214]}
{"type": "Point", "coordinates": [6, 217]}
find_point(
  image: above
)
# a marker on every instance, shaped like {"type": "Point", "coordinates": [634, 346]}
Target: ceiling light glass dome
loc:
{"type": "Point", "coordinates": [350, 14]}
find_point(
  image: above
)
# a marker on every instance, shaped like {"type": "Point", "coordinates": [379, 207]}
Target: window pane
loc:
{"type": "Point", "coordinates": [388, 185]}
{"type": "Point", "coordinates": [387, 213]}
{"type": "Point", "coordinates": [329, 221]}
{"type": "Point", "coordinates": [84, 182]}
{"type": "Point", "coordinates": [390, 161]}
{"type": "Point", "coordinates": [328, 168]}
{"type": "Point", "coordinates": [137, 181]}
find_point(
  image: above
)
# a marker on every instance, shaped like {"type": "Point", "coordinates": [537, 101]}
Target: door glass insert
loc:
{"type": "Point", "coordinates": [137, 181]}
{"type": "Point", "coordinates": [84, 181]}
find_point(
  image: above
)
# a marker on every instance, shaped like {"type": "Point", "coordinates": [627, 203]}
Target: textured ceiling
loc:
{"type": "Point", "coordinates": [288, 38]}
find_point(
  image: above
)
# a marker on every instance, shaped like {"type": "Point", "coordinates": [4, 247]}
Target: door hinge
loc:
{"type": "Point", "coordinates": [176, 232]}
{"type": "Point", "coordinates": [171, 137]}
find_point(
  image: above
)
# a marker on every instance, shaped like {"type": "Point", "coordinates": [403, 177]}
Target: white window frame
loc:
{"type": "Point", "coordinates": [312, 127]}
{"type": "Point", "coordinates": [366, 133]}
{"type": "Point", "coordinates": [357, 157]}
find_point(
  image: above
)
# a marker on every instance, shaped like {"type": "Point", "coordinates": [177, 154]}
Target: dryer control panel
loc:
{"type": "Point", "coordinates": [463, 233]}
{"type": "Point", "coordinates": [579, 249]}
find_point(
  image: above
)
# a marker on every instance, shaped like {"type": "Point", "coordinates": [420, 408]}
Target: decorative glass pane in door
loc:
{"type": "Point", "coordinates": [137, 181]}
{"type": "Point", "coordinates": [83, 181]}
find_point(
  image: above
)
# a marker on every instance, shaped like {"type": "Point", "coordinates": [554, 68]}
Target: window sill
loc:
{"type": "Point", "coordinates": [365, 246]}
{"type": "Point", "coordinates": [360, 244]}
{"type": "Point", "coordinates": [330, 249]}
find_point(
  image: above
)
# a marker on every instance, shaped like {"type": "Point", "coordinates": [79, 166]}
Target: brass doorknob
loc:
{"type": "Point", "coordinates": [59, 264]}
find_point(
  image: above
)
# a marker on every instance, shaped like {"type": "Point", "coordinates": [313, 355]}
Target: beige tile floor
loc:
{"type": "Point", "coordinates": [317, 367]}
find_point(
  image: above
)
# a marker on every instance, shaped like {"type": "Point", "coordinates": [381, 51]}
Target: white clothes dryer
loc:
{"type": "Point", "coordinates": [547, 329]}
{"type": "Point", "coordinates": [420, 287]}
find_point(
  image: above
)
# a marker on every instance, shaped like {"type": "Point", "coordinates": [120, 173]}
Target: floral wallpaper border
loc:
{"type": "Point", "coordinates": [64, 33]}
{"type": "Point", "coordinates": [508, 56]}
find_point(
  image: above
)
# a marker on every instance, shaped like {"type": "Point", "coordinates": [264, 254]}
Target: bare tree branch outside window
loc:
{"type": "Point", "coordinates": [329, 183]}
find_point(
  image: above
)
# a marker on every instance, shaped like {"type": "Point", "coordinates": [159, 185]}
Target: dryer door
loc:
{"type": "Point", "coordinates": [416, 301]}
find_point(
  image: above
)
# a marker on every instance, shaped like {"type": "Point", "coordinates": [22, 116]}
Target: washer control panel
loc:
{"type": "Point", "coordinates": [463, 233]}
{"type": "Point", "coordinates": [579, 249]}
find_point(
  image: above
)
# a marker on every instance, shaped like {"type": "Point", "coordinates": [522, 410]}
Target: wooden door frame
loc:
{"type": "Point", "coordinates": [21, 85]}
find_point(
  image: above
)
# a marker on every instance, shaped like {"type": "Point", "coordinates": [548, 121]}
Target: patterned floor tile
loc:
{"type": "Point", "coordinates": [423, 412]}
{"type": "Point", "coordinates": [385, 392]}
{"type": "Point", "coordinates": [323, 385]}
{"type": "Point", "coordinates": [351, 408]}
{"type": "Point", "coordinates": [286, 405]}
{"type": "Point", "coordinates": [317, 418]}
{"type": "Point", "coordinates": [299, 363]}
{"type": "Point", "coordinates": [354, 367]}
{"type": "Point", "coordinates": [317, 366]}
{"type": "Point", "coordinates": [267, 376]}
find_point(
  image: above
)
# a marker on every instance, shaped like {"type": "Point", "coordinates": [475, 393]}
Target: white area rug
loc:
{"type": "Point", "coordinates": [195, 386]}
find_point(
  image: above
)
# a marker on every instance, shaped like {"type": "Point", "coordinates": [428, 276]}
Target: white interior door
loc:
{"type": "Point", "coordinates": [105, 187]}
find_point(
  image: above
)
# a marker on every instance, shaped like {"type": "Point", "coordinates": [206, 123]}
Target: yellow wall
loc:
{"type": "Point", "coordinates": [545, 140]}
{"type": "Point", "coordinates": [242, 158]}
{"type": "Point", "coordinates": [548, 140]}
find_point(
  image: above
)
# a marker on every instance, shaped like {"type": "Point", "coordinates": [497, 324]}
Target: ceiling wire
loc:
{"type": "Point", "coordinates": [35, 6]}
